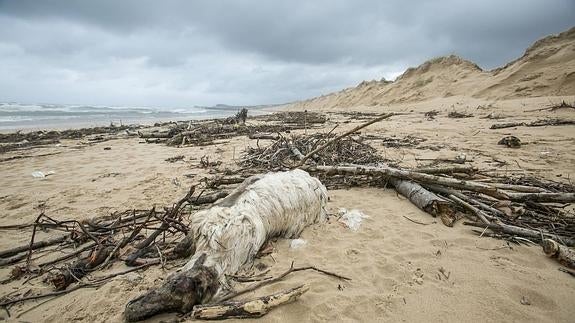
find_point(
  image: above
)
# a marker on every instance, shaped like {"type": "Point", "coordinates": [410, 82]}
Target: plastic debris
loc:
{"type": "Point", "coordinates": [352, 218]}
{"type": "Point", "coordinates": [297, 243]}
{"type": "Point", "coordinates": [39, 174]}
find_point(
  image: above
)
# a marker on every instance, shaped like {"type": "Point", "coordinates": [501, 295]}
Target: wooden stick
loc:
{"type": "Point", "coordinates": [478, 213]}
{"type": "Point", "coordinates": [329, 143]}
{"type": "Point", "coordinates": [272, 280]}
{"type": "Point", "coordinates": [253, 308]}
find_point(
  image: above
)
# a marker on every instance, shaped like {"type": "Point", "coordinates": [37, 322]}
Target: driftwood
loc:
{"type": "Point", "coordinates": [524, 232]}
{"type": "Point", "coordinates": [407, 174]}
{"type": "Point", "coordinates": [536, 123]}
{"type": "Point", "coordinates": [248, 309]}
{"type": "Point", "coordinates": [79, 269]}
{"type": "Point", "coordinates": [329, 143]}
{"type": "Point", "coordinates": [269, 136]}
{"type": "Point", "coordinates": [564, 254]}
{"type": "Point", "coordinates": [425, 200]}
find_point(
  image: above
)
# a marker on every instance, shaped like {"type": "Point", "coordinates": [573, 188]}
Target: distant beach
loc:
{"type": "Point", "coordinates": [18, 116]}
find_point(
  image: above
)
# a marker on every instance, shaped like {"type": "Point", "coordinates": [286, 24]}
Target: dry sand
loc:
{"type": "Point", "coordinates": [394, 263]}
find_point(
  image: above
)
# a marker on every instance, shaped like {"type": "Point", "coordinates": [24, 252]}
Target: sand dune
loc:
{"type": "Point", "coordinates": [546, 69]}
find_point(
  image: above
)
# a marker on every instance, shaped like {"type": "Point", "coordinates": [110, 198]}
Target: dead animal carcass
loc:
{"type": "Point", "coordinates": [229, 234]}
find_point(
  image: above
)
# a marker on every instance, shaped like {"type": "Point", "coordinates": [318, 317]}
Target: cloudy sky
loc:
{"type": "Point", "coordinates": [173, 53]}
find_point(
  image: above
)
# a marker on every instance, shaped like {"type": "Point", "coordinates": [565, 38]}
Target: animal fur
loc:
{"type": "Point", "coordinates": [230, 233]}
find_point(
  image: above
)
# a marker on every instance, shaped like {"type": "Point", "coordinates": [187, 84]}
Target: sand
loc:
{"type": "Point", "coordinates": [394, 263]}
{"type": "Point", "coordinates": [400, 270]}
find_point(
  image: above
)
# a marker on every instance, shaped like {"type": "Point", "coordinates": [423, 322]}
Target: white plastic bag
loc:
{"type": "Point", "coordinates": [352, 218]}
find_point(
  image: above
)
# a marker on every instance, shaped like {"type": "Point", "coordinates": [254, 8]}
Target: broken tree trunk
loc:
{"type": "Point", "coordinates": [565, 255]}
{"type": "Point", "coordinates": [425, 200]}
{"type": "Point", "coordinates": [248, 309]}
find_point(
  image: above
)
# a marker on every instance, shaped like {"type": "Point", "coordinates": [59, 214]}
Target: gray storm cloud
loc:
{"type": "Point", "coordinates": [182, 53]}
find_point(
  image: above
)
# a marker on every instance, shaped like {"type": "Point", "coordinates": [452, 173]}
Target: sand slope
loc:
{"type": "Point", "coordinates": [546, 69]}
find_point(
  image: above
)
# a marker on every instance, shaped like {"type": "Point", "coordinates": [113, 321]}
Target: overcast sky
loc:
{"type": "Point", "coordinates": [241, 52]}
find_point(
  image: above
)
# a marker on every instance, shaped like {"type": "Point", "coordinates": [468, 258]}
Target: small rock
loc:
{"type": "Point", "coordinates": [510, 141]}
{"type": "Point", "coordinates": [107, 148]}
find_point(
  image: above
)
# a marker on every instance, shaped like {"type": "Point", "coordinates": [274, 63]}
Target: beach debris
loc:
{"type": "Point", "coordinates": [175, 158]}
{"type": "Point", "coordinates": [253, 308]}
{"type": "Point", "coordinates": [430, 115]}
{"type": "Point", "coordinates": [564, 254]}
{"type": "Point", "coordinates": [524, 301]}
{"type": "Point", "coordinates": [351, 218]}
{"type": "Point", "coordinates": [536, 123]}
{"type": "Point", "coordinates": [459, 115]}
{"type": "Point", "coordinates": [40, 174]}
{"type": "Point", "coordinates": [297, 243]}
{"type": "Point", "coordinates": [255, 202]}
{"type": "Point", "coordinates": [510, 141]}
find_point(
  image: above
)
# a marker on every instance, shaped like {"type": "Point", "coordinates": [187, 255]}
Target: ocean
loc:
{"type": "Point", "coordinates": [18, 116]}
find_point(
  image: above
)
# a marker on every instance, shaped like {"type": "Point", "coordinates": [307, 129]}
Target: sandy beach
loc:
{"type": "Point", "coordinates": [404, 264]}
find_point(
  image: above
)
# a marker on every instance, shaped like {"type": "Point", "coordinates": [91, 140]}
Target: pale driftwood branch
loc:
{"type": "Point", "coordinates": [477, 212]}
{"type": "Point", "coordinates": [329, 143]}
{"type": "Point", "coordinates": [519, 188]}
{"type": "Point", "coordinates": [564, 254]}
{"type": "Point", "coordinates": [425, 200]}
{"type": "Point", "coordinates": [479, 204]}
{"type": "Point", "coordinates": [257, 307]}
{"type": "Point", "coordinates": [278, 278]}
{"type": "Point", "coordinates": [419, 177]}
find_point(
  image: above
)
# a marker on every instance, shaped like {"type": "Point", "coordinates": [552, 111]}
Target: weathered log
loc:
{"type": "Point", "coordinates": [507, 125]}
{"type": "Point", "coordinates": [425, 200]}
{"type": "Point", "coordinates": [564, 254]}
{"type": "Point", "coordinates": [253, 308]}
{"type": "Point", "coordinates": [407, 174]}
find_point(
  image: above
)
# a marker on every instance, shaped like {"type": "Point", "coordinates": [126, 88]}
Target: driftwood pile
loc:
{"type": "Point", "coordinates": [201, 133]}
{"type": "Point", "coordinates": [139, 238]}
{"type": "Point", "coordinates": [18, 140]}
